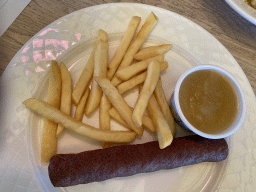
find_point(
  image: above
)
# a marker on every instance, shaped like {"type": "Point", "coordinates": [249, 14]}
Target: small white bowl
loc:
{"type": "Point", "coordinates": [180, 118]}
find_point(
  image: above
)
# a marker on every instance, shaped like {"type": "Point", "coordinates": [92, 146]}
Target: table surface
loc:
{"type": "Point", "coordinates": [236, 33]}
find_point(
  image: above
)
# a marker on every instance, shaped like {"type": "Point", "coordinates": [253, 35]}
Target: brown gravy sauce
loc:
{"type": "Point", "coordinates": [209, 101]}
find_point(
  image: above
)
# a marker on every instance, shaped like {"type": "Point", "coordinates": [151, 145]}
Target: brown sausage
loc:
{"type": "Point", "coordinates": [120, 161]}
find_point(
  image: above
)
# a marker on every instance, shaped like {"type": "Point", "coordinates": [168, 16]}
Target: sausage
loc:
{"type": "Point", "coordinates": [126, 160]}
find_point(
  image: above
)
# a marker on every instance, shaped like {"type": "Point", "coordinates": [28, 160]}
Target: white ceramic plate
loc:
{"type": "Point", "coordinates": [70, 40]}
{"type": "Point", "coordinates": [243, 9]}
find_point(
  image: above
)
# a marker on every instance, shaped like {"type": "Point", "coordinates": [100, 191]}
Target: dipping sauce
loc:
{"type": "Point", "coordinates": [209, 101]}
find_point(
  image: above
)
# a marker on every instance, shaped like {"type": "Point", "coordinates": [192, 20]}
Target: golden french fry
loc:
{"type": "Point", "coordinates": [139, 40]}
{"type": "Point", "coordinates": [164, 133]}
{"type": "Point", "coordinates": [106, 145]}
{"type": "Point", "coordinates": [116, 81]}
{"type": "Point", "coordinates": [49, 139]}
{"type": "Point", "coordinates": [133, 82]}
{"type": "Point", "coordinates": [100, 69]}
{"type": "Point", "coordinates": [87, 73]}
{"type": "Point", "coordinates": [136, 44]}
{"type": "Point", "coordinates": [118, 102]}
{"type": "Point", "coordinates": [163, 66]}
{"type": "Point", "coordinates": [81, 106]}
{"type": "Point", "coordinates": [104, 113]}
{"type": "Point", "coordinates": [66, 91]}
{"type": "Point", "coordinates": [129, 34]}
{"type": "Point", "coordinates": [146, 121]}
{"type": "Point", "coordinates": [53, 114]}
{"type": "Point", "coordinates": [152, 51]}
{"type": "Point", "coordinates": [127, 72]}
{"type": "Point", "coordinates": [115, 115]}
{"type": "Point", "coordinates": [164, 106]}
{"type": "Point", "coordinates": [153, 73]}
{"type": "Point", "coordinates": [111, 73]}
{"type": "Point", "coordinates": [104, 116]}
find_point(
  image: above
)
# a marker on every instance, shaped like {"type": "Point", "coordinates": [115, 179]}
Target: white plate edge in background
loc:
{"type": "Point", "coordinates": [243, 9]}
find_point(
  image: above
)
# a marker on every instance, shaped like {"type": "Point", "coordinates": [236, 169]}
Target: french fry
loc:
{"type": "Point", "coordinates": [49, 139]}
{"type": "Point", "coordinates": [163, 104]}
{"type": "Point", "coordinates": [164, 133]}
{"type": "Point", "coordinates": [114, 64]}
{"type": "Point", "coordinates": [115, 115]}
{"type": "Point", "coordinates": [81, 106]}
{"type": "Point", "coordinates": [87, 73]}
{"type": "Point", "coordinates": [100, 69]}
{"type": "Point", "coordinates": [127, 72]}
{"type": "Point", "coordinates": [47, 111]}
{"type": "Point", "coordinates": [106, 145]}
{"type": "Point", "coordinates": [136, 44]}
{"type": "Point", "coordinates": [66, 91]}
{"type": "Point", "coordinates": [146, 121]}
{"type": "Point", "coordinates": [118, 102]}
{"type": "Point", "coordinates": [128, 36]}
{"type": "Point", "coordinates": [104, 117]}
{"type": "Point", "coordinates": [139, 40]}
{"type": "Point", "coordinates": [133, 82]}
{"type": "Point", "coordinates": [104, 113]}
{"type": "Point", "coordinates": [116, 81]}
{"type": "Point", "coordinates": [153, 73]}
{"type": "Point", "coordinates": [152, 51]}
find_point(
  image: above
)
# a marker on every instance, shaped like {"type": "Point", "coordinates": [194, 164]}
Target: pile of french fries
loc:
{"type": "Point", "coordinates": [102, 85]}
